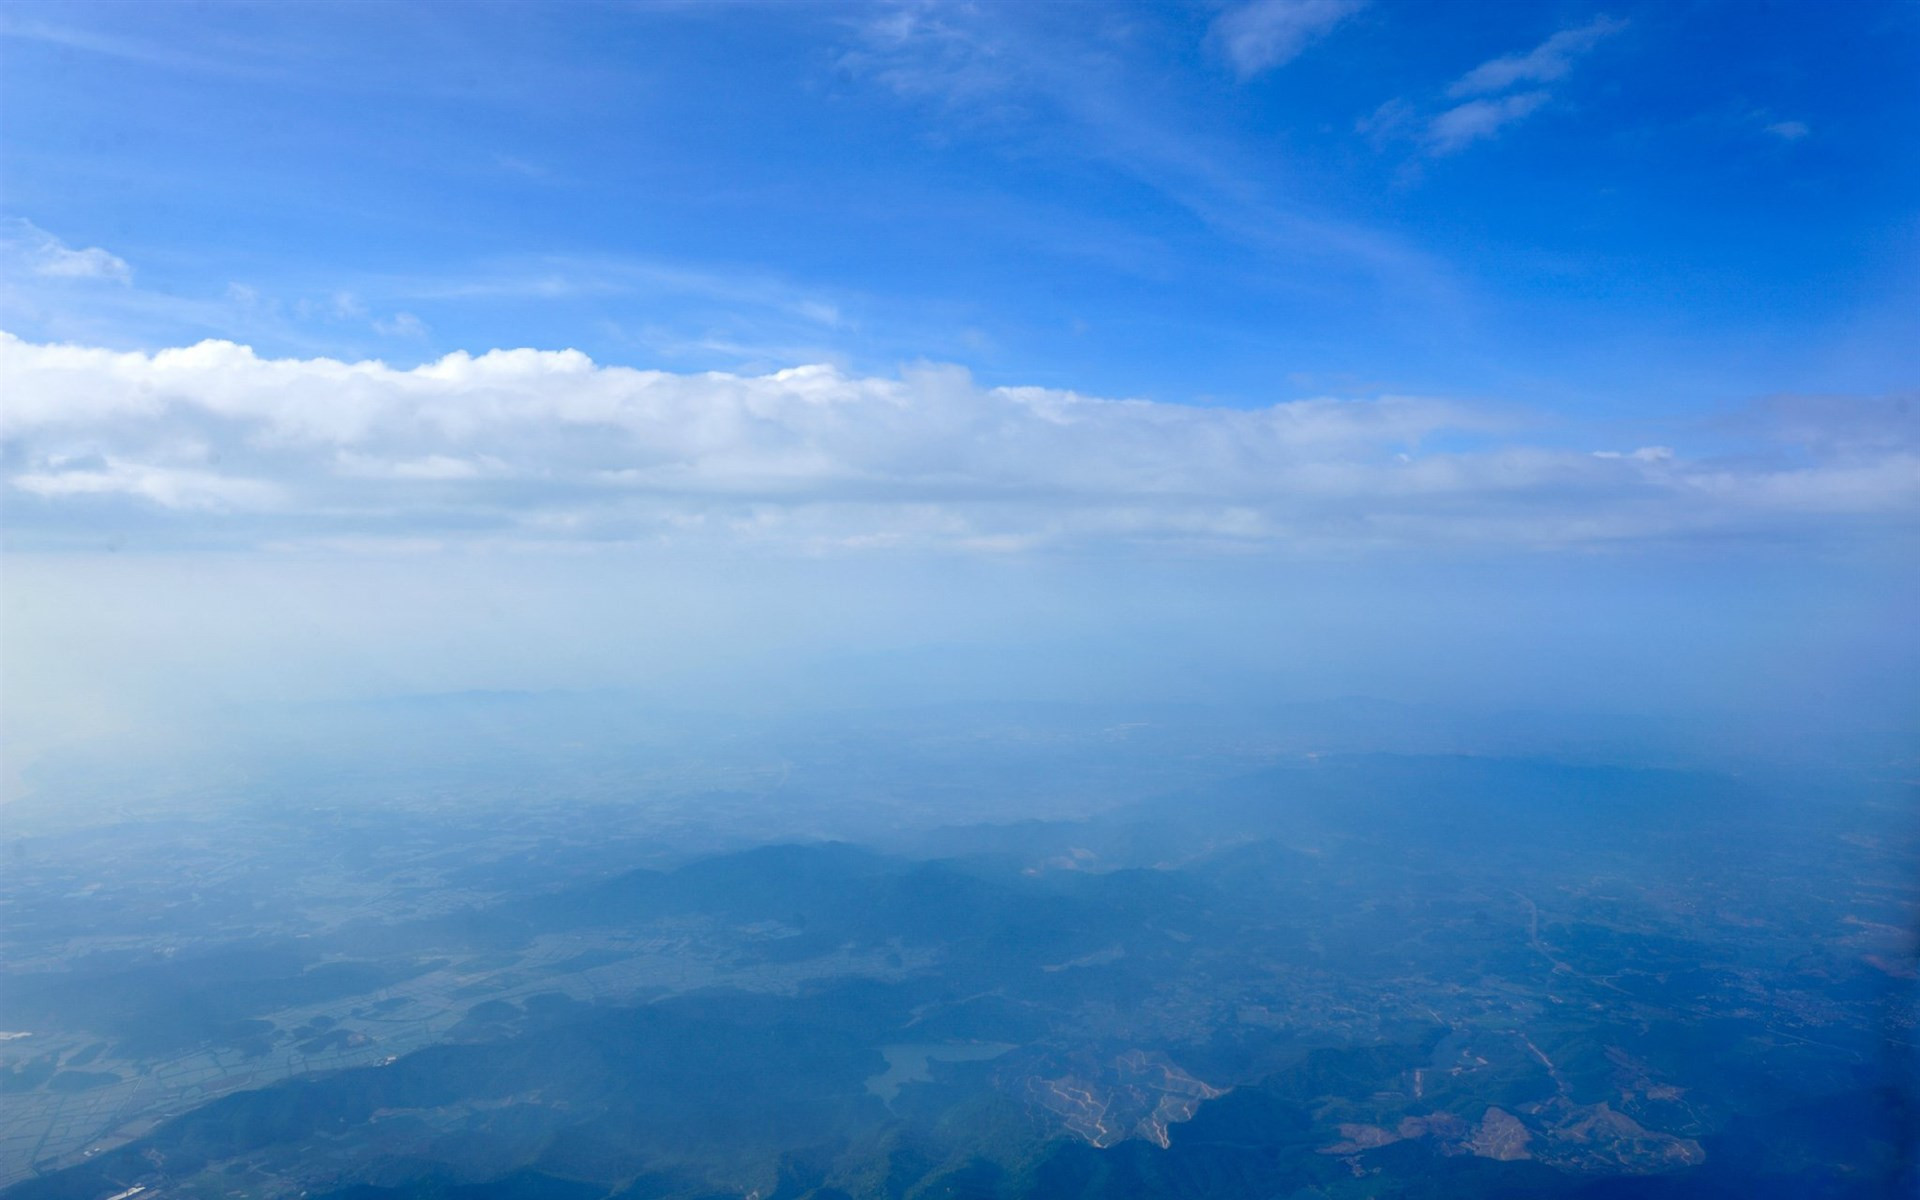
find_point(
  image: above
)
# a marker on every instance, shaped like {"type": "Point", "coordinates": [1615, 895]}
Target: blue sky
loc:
{"type": "Point", "coordinates": [1630, 209]}
{"type": "Point", "coordinates": [1510, 353]}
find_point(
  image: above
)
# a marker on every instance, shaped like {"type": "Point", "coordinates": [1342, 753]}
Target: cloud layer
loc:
{"type": "Point", "coordinates": [212, 442]}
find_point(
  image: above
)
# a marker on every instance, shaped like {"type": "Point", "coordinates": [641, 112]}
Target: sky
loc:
{"type": "Point", "coordinates": [1519, 354]}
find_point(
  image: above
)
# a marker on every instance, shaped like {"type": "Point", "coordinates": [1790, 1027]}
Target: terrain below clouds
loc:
{"type": "Point", "coordinates": [1370, 975]}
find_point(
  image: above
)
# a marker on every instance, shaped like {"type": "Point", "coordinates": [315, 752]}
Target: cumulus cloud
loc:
{"type": "Point", "coordinates": [28, 249]}
{"type": "Point", "coordinates": [518, 445]}
{"type": "Point", "coordinates": [1265, 34]}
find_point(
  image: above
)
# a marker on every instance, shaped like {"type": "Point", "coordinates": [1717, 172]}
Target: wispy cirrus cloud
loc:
{"type": "Point", "coordinates": [1265, 34]}
{"type": "Point", "coordinates": [1483, 111]}
{"type": "Point", "coordinates": [538, 446]}
{"type": "Point", "coordinates": [1551, 60]}
{"type": "Point", "coordinates": [59, 291]}
{"type": "Point", "coordinates": [27, 249]}
{"type": "Point", "coordinates": [996, 69]}
{"type": "Point", "coordinates": [92, 41]}
{"type": "Point", "coordinates": [1476, 120]}
{"type": "Point", "coordinates": [567, 276]}
{"type": "Point", "coordinates": [401, 324]}
{"type": "Point", "coordinates": [727, 316]}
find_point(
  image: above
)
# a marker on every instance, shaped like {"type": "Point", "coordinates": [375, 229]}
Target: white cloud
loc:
{"type": "Point", "coordinates": [28, 249]}
{"type": "Point", "coordinates": [1270, 33]}
{"type": "Point", "coordinates": [1488, 112]}
{"type": "Point", "coordinates": [166, 486]}
{"type": "Point", "coordinates": [1545, 63]}
{"type": "Point", "coordinates": [1464, 124]}
{"type": "Point", "coordinates": [525, 445]}
{"type": "Point", "coordinates": [983, 64]}
{"type": "Point", "coordinates": [402, 325]}
{"type": "Point", "coordinates": [431, 467]}
{"type": "Point", "coordinates": [924, 50]}
{"type": "Point", "coordinates": [1789, 131]}
{"type": "Point", "coordinates": [1384, 122]}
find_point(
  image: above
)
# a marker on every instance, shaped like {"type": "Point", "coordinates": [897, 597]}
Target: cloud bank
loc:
{"type": "Point", "coordinates": [212, 443]}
